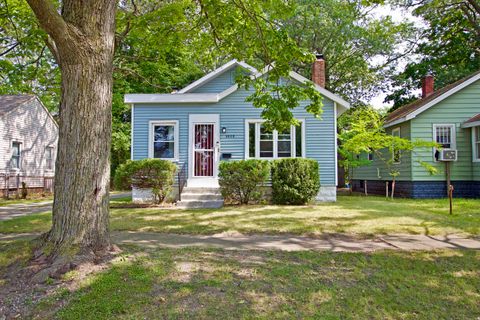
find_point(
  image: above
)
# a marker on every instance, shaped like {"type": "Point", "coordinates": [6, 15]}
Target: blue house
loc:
{"type": "Point", "coordinates": [209, 121]}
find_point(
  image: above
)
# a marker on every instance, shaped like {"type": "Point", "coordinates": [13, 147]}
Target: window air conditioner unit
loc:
{"type": "Point", "coordinates": [447, 155]}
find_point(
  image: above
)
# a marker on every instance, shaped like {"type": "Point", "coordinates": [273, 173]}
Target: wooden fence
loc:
{"type": "Point", "coordinates": [12, 184]}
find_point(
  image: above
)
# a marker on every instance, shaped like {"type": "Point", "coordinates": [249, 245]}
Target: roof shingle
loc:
{"type": "Point", "coordinates": [10, 102]}
{"type": "Point", "coordinates": [415, 105]}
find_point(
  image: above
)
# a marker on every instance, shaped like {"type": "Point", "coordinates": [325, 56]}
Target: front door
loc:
{"type": "Point", "coordinates": [203, 149]}
{"type": "Point", "coordinates": [204, 145]}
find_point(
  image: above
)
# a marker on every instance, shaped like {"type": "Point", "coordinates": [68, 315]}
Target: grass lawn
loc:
{"type": "Point", "coordinates": [363, 216]}
{"type": "Point", "coordinates": [5, 202]}
{"type": "Point", "coordinates": [214, 284]}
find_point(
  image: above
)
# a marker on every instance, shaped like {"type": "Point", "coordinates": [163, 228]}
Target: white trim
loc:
{"type": "Point", "coordinates": [470, 124]}
{"type": "Point", "coordinates": [196, 119]}
{"type": "Point", "coordinates": [393, 123]}
{"type": "Point", "coordinates": [453, 137]}
{"type": "Point", "coordinates": [171, 98]}
{"type": "Point", "coordinates": [336, 144]}
{"type": "Point", "coordinates": [20, 156]}
{"type": "Point", "coordinates": [474, 144]}
{"type": "Point", "coordinates": [293, 139]}
{"type": "Point", "coordinates": [394, 130]}
{"type": "Point", "coordinates": [437, 100]}
{"type": "Point", "coordinates": [215, 73]}
{"type": "Point", "coordinates": [176, 141]}
{"type": "Point", "coordinates": [132, 123]}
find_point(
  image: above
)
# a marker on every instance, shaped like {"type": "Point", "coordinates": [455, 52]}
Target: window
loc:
{"type": "Point", "coordinates": [164, 140]}
{"type": "Point", "coordinates": [444, 135]}
{"type": "Point", "coordinates": [49, 158]}
{"type": "Point", "coordinates": [370, 156]}
{"type": "Point", "coordinates": [16, 155]}
{"type": "Point", "coordinates": [271, 144]}
{"type": "Point", "coordinates": [476, 141]}
{"type": "Point", "coordinates": [396, 153]}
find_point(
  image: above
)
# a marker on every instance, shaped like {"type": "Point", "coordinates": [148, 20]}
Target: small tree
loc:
{"type": "Point", "coordinates": [363, 132]}
{"type": "Point", "coordinates": [155, 174]}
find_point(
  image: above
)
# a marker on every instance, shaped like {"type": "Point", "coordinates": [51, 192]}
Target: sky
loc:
{"type": "Point", "coordinates": [398, 15]}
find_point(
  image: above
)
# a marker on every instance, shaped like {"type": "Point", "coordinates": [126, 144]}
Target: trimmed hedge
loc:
{"type": "Point", "coordinates": [154, 174]}
{"type": "Point", "coordinates": [294, 180]}
{"type": "Point", "coordinates": [241, 181]}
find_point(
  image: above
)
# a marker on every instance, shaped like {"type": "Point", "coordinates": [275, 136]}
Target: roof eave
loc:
{"type": "Point", "coordinates": [470, 124]}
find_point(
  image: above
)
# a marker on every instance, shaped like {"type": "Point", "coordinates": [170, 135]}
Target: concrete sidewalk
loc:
{"type": "Point", "coordinates": [296, 243]}
{"type": "Point", "coordinates": [336, 243]}
{"type": "Point", "coordinates": [23, 209]}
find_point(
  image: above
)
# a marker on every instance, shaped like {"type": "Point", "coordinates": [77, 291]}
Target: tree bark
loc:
{"type": "Point", "coordinates": [84, 42]}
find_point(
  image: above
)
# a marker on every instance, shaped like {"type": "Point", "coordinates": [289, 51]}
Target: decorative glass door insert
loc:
{"type": "Point", "coordinates": [204, 150]}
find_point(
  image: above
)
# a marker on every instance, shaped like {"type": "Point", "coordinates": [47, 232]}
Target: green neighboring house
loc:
{"type": "Point", "coordinates": [451, 117]}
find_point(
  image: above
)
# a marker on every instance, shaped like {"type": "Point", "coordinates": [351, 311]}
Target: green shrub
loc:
{"type": "Point", "coordinates": [294, 180]}
{"type": "Point", "coordinates": [154, 174]}
{"type": "Point", "coordinates": [241, 181]}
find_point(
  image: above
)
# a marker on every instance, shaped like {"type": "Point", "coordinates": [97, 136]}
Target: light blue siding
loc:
{"type": "Point", "coordinates": [233, 110]}
{"type": "Point", "coordinates": [218, 84]}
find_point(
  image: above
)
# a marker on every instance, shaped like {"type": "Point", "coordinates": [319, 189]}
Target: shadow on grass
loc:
{"type": "Point", "coordinates": [213, 284]}
{"type": "Point", "coordinates": [358, 215]}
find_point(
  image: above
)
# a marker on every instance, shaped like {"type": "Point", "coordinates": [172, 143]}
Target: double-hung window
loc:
{"type": "Point", "coordinates": [476, 143]}
{"type": "Point", "coordinates": [49, 158]}
{"type": "Point", "coordinates": [16, 152]}
{"type": "Point", "coordinates": [396, 152]}
{"type": "Point", "coordinates": [164, 140]}
{"type": "Point", "coordinates": [444, 135]}
{"type": "Point", "coordinates": [271, 144]}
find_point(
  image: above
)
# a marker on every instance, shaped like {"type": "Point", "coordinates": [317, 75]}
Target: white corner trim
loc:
{"type": "Point", "coordinates": [132, 123]}
{"type": "Point", "coordinates": [336, 144]}
{"type": "Point", "coordinates": [215, 73]}
{"type": "Point", "coordinates": [152, 123]}
{"type": "Point", "coordinates": [324, 92]}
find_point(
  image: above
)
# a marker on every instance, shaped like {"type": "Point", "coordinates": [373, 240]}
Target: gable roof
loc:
{"type": "Point", "coordinates": [184, 95]}
{"type": "Point", "coordinates": [215, 73]}
{"type": "Point", "coordinates": [413, 109]}
{"type": "Point", "coordinates": [10, 102]}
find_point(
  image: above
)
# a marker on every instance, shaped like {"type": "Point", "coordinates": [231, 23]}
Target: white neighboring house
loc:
{"type": "Point", "coordinates": [28, 141]}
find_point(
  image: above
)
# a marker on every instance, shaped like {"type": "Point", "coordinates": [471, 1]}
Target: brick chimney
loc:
{"type": "Point", "coordinates": [318, 71]}
{"type": "Point", "coordinates": [427, 85]}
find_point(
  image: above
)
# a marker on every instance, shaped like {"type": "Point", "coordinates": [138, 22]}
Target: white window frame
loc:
{"type": "Point", "coordinates": [475, 144]}
{"type": "Point", "coordinates": [275, 140]}
{"type": "Point", "coordinates": [395, 130]}
{"type": "Point", "coordinates": [453, 143]}
{"type": "Point", "coordinates": [176, 141]}
{"type": "Point", "coordinates": [19, 155]}
{"type": "Point", "coordinates": [51, 159]}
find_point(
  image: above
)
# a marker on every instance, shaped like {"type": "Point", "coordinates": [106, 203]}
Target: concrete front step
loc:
{"type": "Point", "coordinates": [200, 204]}
{"type": "Point", "coordinates": [197, 190]}
{"type": "Point", "coordinates": [198, 196]}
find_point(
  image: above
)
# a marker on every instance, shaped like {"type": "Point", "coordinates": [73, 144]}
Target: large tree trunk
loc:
{"type": "Point", "coordinates": [83, 44]}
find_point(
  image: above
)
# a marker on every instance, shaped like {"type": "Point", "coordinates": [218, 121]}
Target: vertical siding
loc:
{"type": "Point", "coordinates": [233, 110]}
{"type": "Point", "coordinates": [454, 110]}
{"type": "Point", "coordinates": [31, 125]}
{"type": "Point", "coordinates": [370, 172]}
